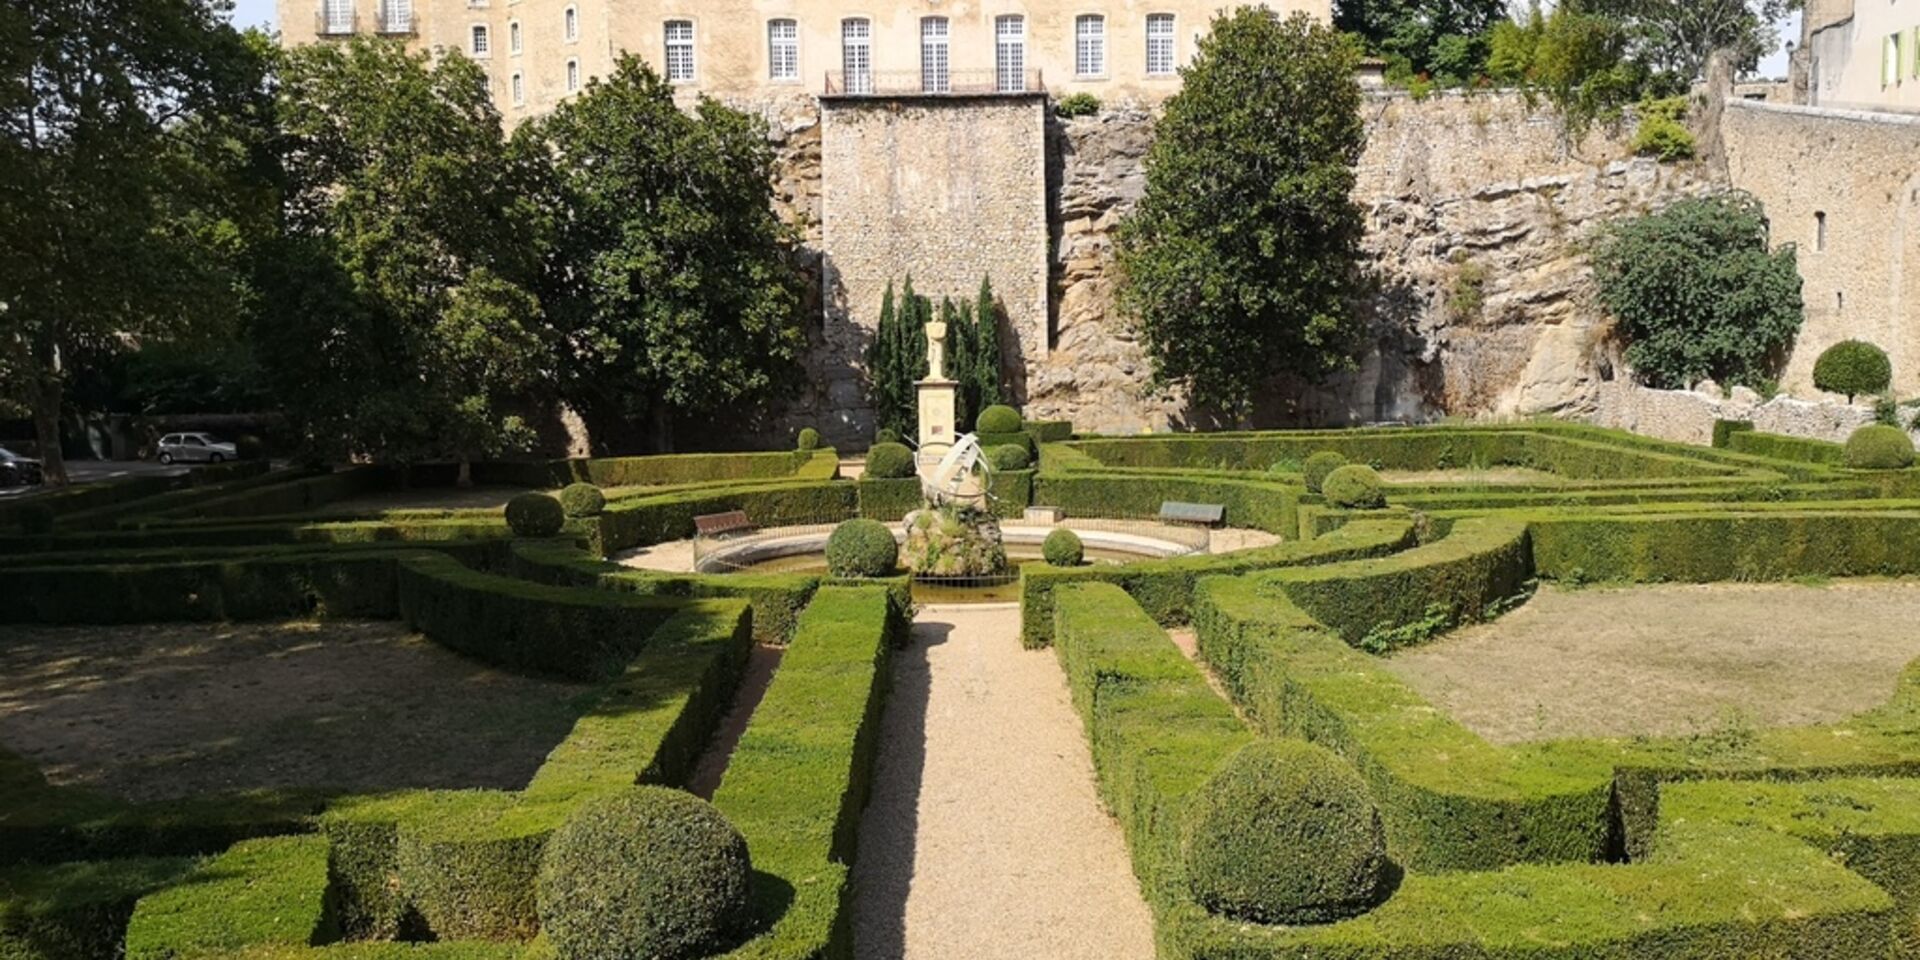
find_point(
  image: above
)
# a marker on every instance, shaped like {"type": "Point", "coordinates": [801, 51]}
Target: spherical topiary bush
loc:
{"type": "Point", "coordinates": [1319, 465]}
{"type": "Point", "coordinates": [885, 435]}
{"type": "Point", "coordinates": [889, 461]}
{"type": "Point", "coordinates": [1009, 456]}
{"type": "Point", "coordinates": [1354, 486]}
{"type": "Point", "coordinates": [809, 438]}
{"type": "Point", "coordinates": [998, 418]}
{"type": "Point", "coordinates": [862, 548]}
{"type": "Point", "coordinates": [1286, 832]}
{"type": "Point", "coordinates": [1877, 446]}
{"type": "Point", "coordinates": [582, 500]}
{"type": "Point", "coordinates": [646, 872]}
{"type": "Point", "coordinates": [535, 515]}
{"type": "Point", "coordinates": [1062, 548]}
{"type": "Point", "coordinates": [1852, 367]}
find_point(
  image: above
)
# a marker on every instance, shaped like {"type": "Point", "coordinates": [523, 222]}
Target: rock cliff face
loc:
{"type": "Point", "coordinates": [1476, 217]}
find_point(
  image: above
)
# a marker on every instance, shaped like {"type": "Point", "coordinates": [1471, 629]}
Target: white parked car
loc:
{"type": "Point", "coordinates": [196, 448]}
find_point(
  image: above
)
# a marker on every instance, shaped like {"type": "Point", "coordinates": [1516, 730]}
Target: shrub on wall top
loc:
{"type": "Point", "coordinates": [647, 872]}
{"type": "Point", "coordinates": [1319, 465]}
{"type": "Point", "coordinates": [1663, 134]}
{"type": "Point", "coordinates": [862, 548]}
{"type": "Point", "coordinates": [1077, 105]}
{"type": "Point", "coordinates": [889, 461]}
{"type": "Point", "coordinates": [582, 500]}
{"type": "Point", "coordinates": [998, 418]}
{"type": "Point", "coordinates": [1355, 486]}
{"type": "Point", "coordinates": [1852, 367]}
{"type": "Point", "coordinates": [1286, 832]}
{"type": "Point", "coordinates": [535, 515]}
{"type": "Point", "coordinates": [1877, 446]}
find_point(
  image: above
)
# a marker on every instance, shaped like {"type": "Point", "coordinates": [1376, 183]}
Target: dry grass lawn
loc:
{"type": "Point", "coordinates": [157, 712]}
{"type": "Point", "coordinates": [1672, 659]}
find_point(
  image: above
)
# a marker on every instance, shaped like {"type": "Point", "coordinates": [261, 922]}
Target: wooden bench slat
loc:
{"type": "Point", "coordinates": [713, 524]}
{"type": "Point", "coordinates": [1183, 512]}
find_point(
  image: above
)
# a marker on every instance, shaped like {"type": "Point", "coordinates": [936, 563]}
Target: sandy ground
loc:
{"type": "Point", "coordinates": [155, 712]}
{"type": "Point", "coordinates": [984, 838]}
{"type": "Point", "coordinates": [1672, 660]}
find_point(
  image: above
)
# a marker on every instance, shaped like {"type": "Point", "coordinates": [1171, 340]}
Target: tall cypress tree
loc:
{"type": "Point", "coordinates": [986, 369]}
{"type": "Point", "coordinates": [883, 357]}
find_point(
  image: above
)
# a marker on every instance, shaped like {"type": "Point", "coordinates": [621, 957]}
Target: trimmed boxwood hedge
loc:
{"type": "Point", "coordinates": [76, 911]}
{"type": "Point", "coordinates": [272, 584]}
{"type": "Point", "coordinates": [777, 598]}
{"type": "Point", "coordinates": [1259, 504]}
{"type": "Point", "coordinates": [1778, 447]}
{"type": "Point", "coordinates": [642, 521]}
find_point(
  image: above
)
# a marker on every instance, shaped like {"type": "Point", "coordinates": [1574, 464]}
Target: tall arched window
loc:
{"type": "Point", "coordinates": [1090, 45]}
{"type": "Point", "coordinates": [513, 37]}
{"type": "Point", "coordinates": [570, 24]}
{"type": "Point", "coordinates": [680, 51]}
{"type": "Point", "coordinates": [856, 54]}
{"type": "Point", "coordinates": [1010, 53]}
{"type": "Point", "coordinates": [783, 50]}
{"type": "Point", "coordinates": [934, 76]}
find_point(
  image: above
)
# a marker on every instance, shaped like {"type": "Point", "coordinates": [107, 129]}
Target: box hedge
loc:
{"type": "Point", "coordinates": [76, 911]}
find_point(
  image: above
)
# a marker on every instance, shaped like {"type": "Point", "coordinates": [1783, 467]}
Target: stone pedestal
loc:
{"type": "Point", "coordinates": [937, 402]}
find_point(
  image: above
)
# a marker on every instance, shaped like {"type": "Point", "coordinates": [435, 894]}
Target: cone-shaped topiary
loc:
{"type": "Point", "coordinates": [582, 500]}
{"type": "Point", "coordinates": [1062, 548]}
{"type": "Point", "coordinates": [535, 515]}
{"type": "Point", "coordinates": [862, 548]}
{"type": "Point", "coordinates": [1008, 456]}
{"type": "Point", "coordinates": [1354, 486]}
{"type": "Point", "coordinates": [889, 461]}
{"type": "Point", "coordinates": [646, 872]}
{"type": "Point", "coordinates": [1877, 446]}
{"type": "Point", "coordinates": [1852, 367]}
{"type": "Point", "coordinates": [809, 438]}
{"type": "Point", "coordinates": [998, 418]}
{"type": "Point", "coordinates": [1319, 465]}
{"type": "Point", "coordinates": [1286, 832]}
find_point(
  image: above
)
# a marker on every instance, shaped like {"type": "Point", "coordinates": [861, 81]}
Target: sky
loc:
{"type": "Point", "coordinates": [260, 13]}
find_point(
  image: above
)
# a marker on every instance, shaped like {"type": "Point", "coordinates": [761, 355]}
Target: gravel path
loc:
{"type": "Point", "coordinates": [984, 838]}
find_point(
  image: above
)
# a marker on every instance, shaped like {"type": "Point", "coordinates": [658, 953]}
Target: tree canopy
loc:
{"type": "Point", "coordinates": [1242, 260]}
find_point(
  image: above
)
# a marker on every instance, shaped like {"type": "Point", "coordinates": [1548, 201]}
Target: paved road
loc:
{"type": "Point", "coordinates": [984, 838]}
{"type": "Point", "coordinates": [91, 471]}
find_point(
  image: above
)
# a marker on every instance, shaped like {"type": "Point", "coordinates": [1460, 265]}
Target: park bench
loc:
{"type": "Point", "coordinates": [1204, 514]}
{"type": "Point", "coordinates": [722, 524]}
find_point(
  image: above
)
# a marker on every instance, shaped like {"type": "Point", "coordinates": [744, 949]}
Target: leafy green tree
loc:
{"type": "Point", "coordinates": [1242, 260]}
{"type": "Point", "coordinates": [1578, 61]}
{"type": "Point", "coordinates": [1672, 39]}
{"type": "Point", "coordinates": [404, 326]}
{"type": "Point", "coordinates": [671, 279]}
{"type": "Point", "coordinates": [1441, 37]}
{"type": "Point", "coordinates": [1697, 292]}
{"type": "Point", "coordinates": [116, 204]}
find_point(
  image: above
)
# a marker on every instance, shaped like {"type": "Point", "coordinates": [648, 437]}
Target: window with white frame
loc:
{"type": "Point", "coordinates": [783, 50]}
{"type": "Point", "coordinates": [680, 51]}
{"type": "Point", "coordinates": [573, 75]}
{"type": "Point", "coordinates": [856, 54]}
{"type": "Point", "coordinates": [1090, 45]}
{"type": "Point", "coordinates": [482, 42]}
{"type": "Point", "coordinates": [396, 16]}
{"type": "Point", "coordinates": [513, 37]}
{"type": "Point", "coordinates": [1890, 61]}
{"type": "Point", "coordinates": [1159, 44]}
{"type": "Point", "coordinates": [570, 24]}
{"type": "Point", "coordinates": [934, 76]}
{"type": "Point", "coordinates": [519, 88]}
{"type": "Point", "coordinates": [1010, 53]}
{"type": "Point", "coordinates": [336, 16]}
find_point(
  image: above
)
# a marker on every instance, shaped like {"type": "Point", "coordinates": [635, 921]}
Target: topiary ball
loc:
{"type": "Point", "coordinates": [582, 500]}
{"type": "Point", "coordinates": [1354, 486]}
{"type": "Point", "coordinates": [862, 548]}
{"type": "Point", "coordinates": [646, 872]}
{"type": "Point", "coordinates": [886, 435]}
{"type": "Point", "coordinates": [889, 461]}
{"type": "Point", "coordinates": [535, 515]}
{"type": "Point", "coordinates": [1318, 466]}
{"type": "Point", "coordinates": [1877, 446]}
{"type": "Point", "coordinates": [1009, 456]}
{"type": "Point", "coordinates": [1852, 367]}
{"type": "Point", "coordinates": [1063, 548]}
{"type": "Point", "coordinates": [809, 438]}
{"type": "Point", "coordinates": [998, 418]}
{"type": "Point", "coordinates": [1286, 832]}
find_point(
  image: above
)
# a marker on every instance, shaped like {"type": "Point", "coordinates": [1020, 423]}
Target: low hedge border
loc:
{"type": "Point", "coordinates": [298, 583]}
{"type": "Point", "coordinates": [1165, 587]}
{"type": "Point", "coordinates": [108, 517]}
{"type": "Point", "coordinates": [1158, 732]}
{"type": "Point", "coordinates": [1775, 446]}
{"type": "Point", "coordinates": [643, 521]}
{"type": "Point", "coordinates": [1261, 505]}
{"type": "Point", "coordinates": [1756, 544]}
{"type": "Point", "coordinates": [76, 911]}
{"type": "Point", "coordinates": [265, 534]}
{"type": "Point", "coordinates": [68, 501]}
{"type": "Point", "coordinates": [777, 598]}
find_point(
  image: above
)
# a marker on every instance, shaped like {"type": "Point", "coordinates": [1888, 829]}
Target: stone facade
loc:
{"type": "Point", "coordinates": [1687, 416]}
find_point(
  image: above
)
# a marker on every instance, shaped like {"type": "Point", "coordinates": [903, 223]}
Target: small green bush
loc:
{"type": "Point", "coordinates": [1286, 832]}
{"type": "Point", "coordinates": [582, 500]}
{"type": "Point", "coordinates": [1319, 465]}
{"type": "Point", "coordinates": [1009, 456]}
{"type": "Point", "coordinates": [1077, 105]}
{"type": "Point", "coordinates": [889, 461]}
{"type": "Point", "coordinates": [1062, 548]}
{"type": "Point", "coordinates": [862, 548]}
{"type": "Point", "coordinates": [886, 435]}
{"type": "Point", "coordinates": [1662, 135]}
{"type": "Point", "coordinates": [35, 518]}
{"type": "Point", "coordinates": [809, 438]}
{"type": "Point", "coordinates": [1852, 367]}
{"type": "Point", "coordinates": [535, 515]}
{"type": "Point", "coordinates": [1877, 446]}
{"type": "Point", "coordinates": [998, 418]}
{"type": "Point", "coordinates": [1354, 486]}
{"type": "Point", "coordinates": [648, 872]}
